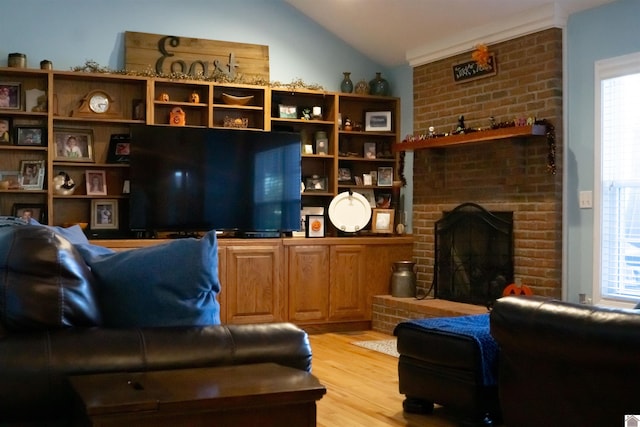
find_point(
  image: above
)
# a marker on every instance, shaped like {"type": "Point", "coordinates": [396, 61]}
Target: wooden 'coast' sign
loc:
{"type": "Point", "coordinates": [173, 54]}
{"type": "Point", "coordinates": [470, 70]}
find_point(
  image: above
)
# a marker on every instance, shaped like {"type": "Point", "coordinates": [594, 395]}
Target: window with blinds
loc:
{"type": "Point", "coordinates": [617, 215]}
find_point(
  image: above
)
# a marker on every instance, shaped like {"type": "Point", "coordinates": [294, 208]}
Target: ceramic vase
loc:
{"type": "Point", "coordinates": [379, 86]}
{"type": "Point", "coordinates": [347, 85]}
{"type": "Point", "coordinates": [362, 87]}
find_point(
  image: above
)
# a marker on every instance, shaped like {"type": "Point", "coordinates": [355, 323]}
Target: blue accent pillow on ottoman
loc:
{"type": "Point", "coordinates": [170, 284]}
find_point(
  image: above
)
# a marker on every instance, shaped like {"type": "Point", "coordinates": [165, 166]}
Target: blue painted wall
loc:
{"type": "Point", "coordinates": [604, 32]}
{"type": "Point", "coordinates": [70, 32]}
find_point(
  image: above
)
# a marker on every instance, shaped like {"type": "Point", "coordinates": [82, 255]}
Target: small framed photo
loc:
{"type": "Point", "coordinates": [344, 175]}
{"type": "Point", "coordinates": [316, 183]}
{"type": "Point", "coordinates": [366, 179]}
{"type": "Point", "coordinates": [10, 96]}
{"type": "Point", "coordinates": [385, 176]}
{"type": "Point", "coordinates": [13, 177]}
{"type": "Point", "coordinates": [288, 111]}
{"type": "Point", "coordinates": [32, 172]}
{"type": "Point", "coordinates": [382, 221]}
{"type": "Point", "coordinates": [369, 150]}
{"type": "Point", "coordinates": [104, 214]}
{"type": "Point", "coordinates": [96, 183]}
{"type": "Point", "coordinates": [74, 145]}
{"type": "Point", "coordinates": [322, 146]}
{"type": "Point", "coordinates": [377, 121]}
{"type": "Point", "coordinates": [31, 211]}
{"type": "Point", "coordinates": [308, 149]}
{"type": "Point", "coordinates": [383, 200]}
{"type": "Point", "coordinates": [138, 109]}
{"type": "Point", "coordinates": [119, 148]}
{"type": "Point", "coordinates": [5, 130]}
{"type": "Point", "coordinates": [36, 135]}
{"type": "Point", "coordinates": [315, 226]}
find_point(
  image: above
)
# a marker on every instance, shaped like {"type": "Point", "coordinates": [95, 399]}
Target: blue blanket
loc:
{"type": "Point", "coordinates": [476, 327]}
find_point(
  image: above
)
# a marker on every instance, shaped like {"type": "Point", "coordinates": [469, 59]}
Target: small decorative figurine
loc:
{"type": "Point", "coordinates": [163, 97]}
{"type": "Point", "coordinates": [177, 117]}
{"type": "Point", "coordinates": [63, 184]}
{"type": "Point", "coordinates": [194, 97]}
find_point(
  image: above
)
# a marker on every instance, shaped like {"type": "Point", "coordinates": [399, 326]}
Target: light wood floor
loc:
{"type": "Point", "coordinates": [362, 385]}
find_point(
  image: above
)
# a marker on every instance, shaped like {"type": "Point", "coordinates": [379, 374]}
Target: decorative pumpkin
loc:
{"type": "Point", "coordinates": [514, 289]}
{"type": "Point", "coordinates": [194, 97]}
{"type": "Point", "coordinates": [163, 97]}
{"type": "Point", "coordinates": [177, 117]}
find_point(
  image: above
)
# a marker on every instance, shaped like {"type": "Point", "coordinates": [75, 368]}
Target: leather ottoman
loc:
{"type": "Point", "coordinates": [452, 362]}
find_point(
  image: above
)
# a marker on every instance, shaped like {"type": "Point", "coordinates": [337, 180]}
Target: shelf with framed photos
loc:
{"type": "Point", "coordinates": [23, 142]}
{"type": "Point", "coordinates": [313, 114]}
{"type": "Point", "coordinates": [87, 111]}
{"type": "Point", "coordinates": [369, 126]}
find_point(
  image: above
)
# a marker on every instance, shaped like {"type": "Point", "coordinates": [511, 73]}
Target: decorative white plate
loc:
{"type": "Point", "coordinates": [349, 212]}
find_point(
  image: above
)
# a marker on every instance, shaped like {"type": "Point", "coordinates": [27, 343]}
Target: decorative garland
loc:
{"type": "Point", "coordinates": [91, 66]}
{"type": "Point", "coordinates": [550, 133]}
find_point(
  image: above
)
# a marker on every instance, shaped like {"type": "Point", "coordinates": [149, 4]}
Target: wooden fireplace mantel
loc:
{"type": "Point", "coordinates": [474, 137]}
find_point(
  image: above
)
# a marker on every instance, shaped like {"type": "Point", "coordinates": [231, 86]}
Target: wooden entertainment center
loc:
{"type": "Point", "coordinates": [64, 108]}
{"type": "Point", "coordinates": [319, 283]}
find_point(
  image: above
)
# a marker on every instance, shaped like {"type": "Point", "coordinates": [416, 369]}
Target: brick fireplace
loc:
{"type": "Point", "coordinates": [504, 175]}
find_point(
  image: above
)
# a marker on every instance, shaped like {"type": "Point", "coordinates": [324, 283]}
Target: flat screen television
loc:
{"type": "Point", "coordinates": [185, 180]}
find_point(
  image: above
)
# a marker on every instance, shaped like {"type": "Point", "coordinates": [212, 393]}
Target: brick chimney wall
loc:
{"type": "Point", "coordinates": [503, 175]}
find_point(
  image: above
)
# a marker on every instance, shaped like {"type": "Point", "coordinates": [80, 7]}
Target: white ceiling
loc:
{"type": "Point", "coordinates": [395, 32]}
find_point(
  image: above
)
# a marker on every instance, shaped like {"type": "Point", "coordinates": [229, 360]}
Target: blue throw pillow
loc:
{"type": "Point", "coordinates": [73, 234]}
{"type": "Point", "coordinates": [170, 284]}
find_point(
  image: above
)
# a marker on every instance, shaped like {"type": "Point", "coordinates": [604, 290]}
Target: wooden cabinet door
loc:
{"type": "Point", "coordinates": [308, 279]}
{"type": "Point", "coordinates": [348, 287]}
{"type": "Point", "coordinates": [254, 285]}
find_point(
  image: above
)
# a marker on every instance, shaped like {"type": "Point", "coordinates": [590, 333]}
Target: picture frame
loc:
{"type": "Point", "coordinates": [344, 175]}
{"type": "Point", "coordinates": [322, 147]}
{"type": "Point", "coordinates": [32, 174]}
{"type": "Point", "coordinates": [30, 211]}
{"type": "Point", "coordinates": [377, 121]}
{"type": "Point", "coordinates": [304, 211]}
{"type": "Point", "coordinates": [73, 145]}
{"type": "Point", "coordinates": [31, 135]}
{"type": "Point", "coordinates": [383, 199]}
{"type": "Point", "coordinates": [96, 181]}
{"type": "Point", "coordinates": [138, 109]}
{"type": "Point", "coordinates": [10, 96]}
{"type": "Point", "coordinates": [6, 130]}
{"type": "Point", "coordinates": [369, 195]}
{"type": "Point", "coordinates": [287, 111]}
{"type": "Point", "coordinates": [119, 148]}
{"type": "Point", "coordinates": [104, 214]}
{"type": "Point", "coordinates": [13, 177]}
{"type": "Point", "coordinates": [385, 176]}
{"type": "Point", "coordinates": [315, 226]}
{"type": "Point", "coordinates": [382, 221]}
{"type": "Point", "coordinates": [315, 183]}
{"type": "Point", "coordinates": [369, 150]}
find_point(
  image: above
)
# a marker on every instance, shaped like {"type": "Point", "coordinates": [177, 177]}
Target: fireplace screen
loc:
{"type": "Point", "coordinates": [473, 254]}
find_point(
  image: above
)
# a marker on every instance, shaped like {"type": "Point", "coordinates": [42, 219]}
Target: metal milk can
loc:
{"type": "Point", "coordinates": [403, 279]}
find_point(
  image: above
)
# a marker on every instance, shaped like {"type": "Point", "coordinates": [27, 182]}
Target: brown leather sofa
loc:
{"type": "Point", "coordinates": [565, 364]}
{"type": "Point", "coordinates": [51, 327]}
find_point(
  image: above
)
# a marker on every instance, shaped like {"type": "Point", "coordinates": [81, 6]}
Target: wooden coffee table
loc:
{"type": "Point", "coordinates": [265, 395]}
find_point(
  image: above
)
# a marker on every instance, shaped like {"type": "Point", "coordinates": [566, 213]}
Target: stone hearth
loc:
{"type": "Point", "coordinates": [388, 311]}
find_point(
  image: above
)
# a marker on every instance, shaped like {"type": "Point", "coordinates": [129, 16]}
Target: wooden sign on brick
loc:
{"type": "Point", "coordinates": [174, 54]}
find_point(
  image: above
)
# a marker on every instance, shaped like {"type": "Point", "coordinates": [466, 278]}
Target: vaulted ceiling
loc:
{"type": "Point", "coordinates": [396, 32]}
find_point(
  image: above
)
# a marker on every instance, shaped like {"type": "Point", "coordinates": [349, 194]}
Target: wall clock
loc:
{"type": "Point", "coordinates": [97, 103]}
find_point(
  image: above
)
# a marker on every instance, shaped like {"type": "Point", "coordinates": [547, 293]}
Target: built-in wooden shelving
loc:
{"type": "Point", "coordinates": [473, 137]}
